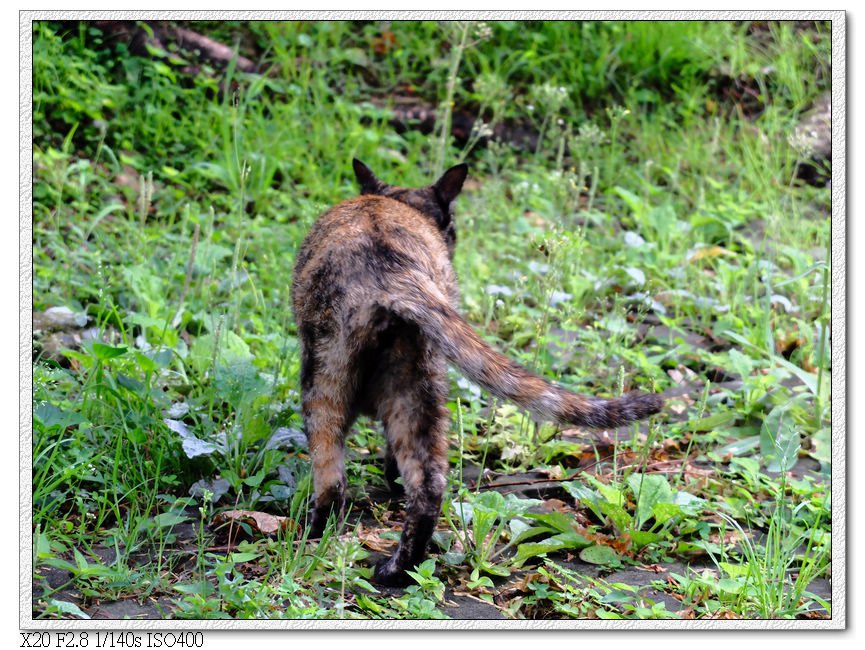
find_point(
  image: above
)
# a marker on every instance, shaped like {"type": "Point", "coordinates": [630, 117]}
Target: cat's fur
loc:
{"type": "Point", "coordinates": [375, 300]}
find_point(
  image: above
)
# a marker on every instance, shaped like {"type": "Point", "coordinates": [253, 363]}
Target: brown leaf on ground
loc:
{"type": "Point", "coordinates": [264, 523]}
{"type": "Point", "coordinates": [622, 544]}
{"type": "Point", "coordinates": [730, 537]}
{"type": "Point", "coordinates": [698, 476]}
{"type": "Point", "coordinates": [555, 505]}
{"type": "Point", "coordinates": [619, 543]}
{"type": "Point", "coordinates": [582, 519]}
{"type": "Point", "coordinates": [522, 584]}
{"type": "Point", "coordinates": [371, 539]}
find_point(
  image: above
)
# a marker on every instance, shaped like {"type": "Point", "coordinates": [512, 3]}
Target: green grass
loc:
{"type": "Point", "coordinates": [654, 236]}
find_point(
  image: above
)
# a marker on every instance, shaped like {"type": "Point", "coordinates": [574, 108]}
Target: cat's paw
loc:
{"type": "Point", "coordinates": [315, 530]}
{"type": "Point", "coordinates": [320, 514]}
{"type": "Point", "coordinates": [317, 521]}
{"type": "Point", "coordinates": [389, 574]}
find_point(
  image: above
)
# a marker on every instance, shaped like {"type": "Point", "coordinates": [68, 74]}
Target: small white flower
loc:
{"type": "Point", "coordinates": [483, 31]}
{"type": "Point", "coordinates": [482, 129]}
{"type": "Point", "coordinates": [802, 142]}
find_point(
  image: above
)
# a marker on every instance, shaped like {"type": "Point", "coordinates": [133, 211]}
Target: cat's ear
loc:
{"type": "Point", "coordinates": [369, 184]}
{"type": "Point", "coordinates": [450, 184]}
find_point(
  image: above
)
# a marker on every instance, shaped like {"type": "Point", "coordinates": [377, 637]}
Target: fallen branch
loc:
{"type": "Point", "coordinates": [210, 49]}
{"type": "Point", "coordinates": [143, 41]}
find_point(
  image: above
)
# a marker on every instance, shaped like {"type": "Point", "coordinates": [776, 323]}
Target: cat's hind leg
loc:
{"type": "Point", "coordinates": [416, 423]}
{"type": "Point", "coordinates": [326, 403]}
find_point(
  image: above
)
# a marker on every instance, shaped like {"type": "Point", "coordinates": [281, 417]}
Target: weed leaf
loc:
{"type": "Point", "coordinates": [599, 554]}
{"type": "Point", "coordinates": [65, 607]}
{"type": "Point", "coordinates": [779, 440]}
{"type": "Point", "coordinates": [49, 416]}
{"type": "Point", "coordinates": [192, 445]}
{"type": "Point", "coordinates": [105, 352]}
{"type": "Point", "coordinates": [648, 490]}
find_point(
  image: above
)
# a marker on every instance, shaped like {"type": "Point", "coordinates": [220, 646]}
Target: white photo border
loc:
{"type": "Point", "coordinates": [839, 322]}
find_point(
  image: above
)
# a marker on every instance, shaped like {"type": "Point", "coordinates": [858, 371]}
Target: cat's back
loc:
{"type": "Point", "coordinates": [365, 245]}
{"type": "Point", "coordinates": [360, 223]}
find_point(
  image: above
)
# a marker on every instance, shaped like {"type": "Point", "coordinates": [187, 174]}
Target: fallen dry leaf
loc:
{"type": "Point", "coordinates": [582, 519]}
{"type": "Point", "coordinates": [372, 540]}
{"type": "Point", "coordinates": [555, 505]}
{"type": "Point", "coordinates": [522, 584]}
{"type": "Point", "coordinates": [730, 537]}
{"type": "Point", "coordinates": [263, 522]}
{"type": "Point", "coordinates": [677, 406]}
{"type": "Point", "coordinates": [620, 544]}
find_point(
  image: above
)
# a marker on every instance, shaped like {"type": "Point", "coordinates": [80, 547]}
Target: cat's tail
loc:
{"type": "Point", "coordinates": [442, 324]}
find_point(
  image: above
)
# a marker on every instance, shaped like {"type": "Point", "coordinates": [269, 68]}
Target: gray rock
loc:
{"type": "Point", "coordinates": [57, 318]}
{"type": "Point", "coordinates": [812, 140]}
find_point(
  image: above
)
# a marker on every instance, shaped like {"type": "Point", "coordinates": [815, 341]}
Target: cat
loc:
{"type": "Point", "coordinates": [375, 301]}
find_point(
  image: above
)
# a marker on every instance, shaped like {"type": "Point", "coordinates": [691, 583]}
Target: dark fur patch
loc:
{"type": "Point", "coordinates": [307, 356]}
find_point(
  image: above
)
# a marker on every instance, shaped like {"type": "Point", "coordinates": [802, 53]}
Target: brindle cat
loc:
{"type": "Point", "coordinates": [375, 300]}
